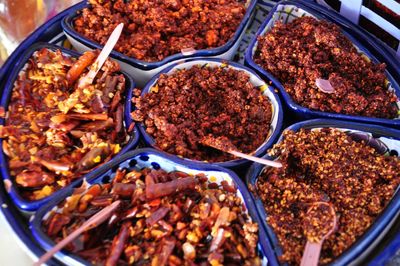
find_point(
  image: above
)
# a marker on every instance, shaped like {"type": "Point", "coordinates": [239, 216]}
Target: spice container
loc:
{"type": "Point", "coordinates": [363, 216]}
{"type": "Point", "coordinates": [219, 99]}
{"type": "Point", "coordinates": [53, 136]}
{"type": "Point", "coordinates": [288, 11]}
{"type": "Point", "coordinates": [142, 70]}
{"type": "Point", "coordinates": [158, 167]}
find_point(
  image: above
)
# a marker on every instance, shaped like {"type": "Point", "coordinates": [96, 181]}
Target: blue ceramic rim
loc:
{"type": "Point", "coordinates": [228, 164]}
{"type": "Point", "coordinates": [380, 223]}
{"type": "Point", "coordinates": [384, 257]}
{"type": "Point", "coordinates": [287, 99]}
{"type": "Point", "coordinates": [97, 175]}
{"type": "Point", "coordinates": [66, 24]}
{"type": "Point", "coordinates": [268, 4]}
{"type": "Point", "coordinates": [19, 201]}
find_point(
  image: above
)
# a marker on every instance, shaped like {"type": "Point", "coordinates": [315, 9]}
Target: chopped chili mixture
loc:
{"type": "Point", "coordinates": [157, 29]}
{"type": "Point", "coordinates": [163, 219]}
{"type": "Point", "coordinates": [56, 130]}
{"type": "Point", "coordinates": [325, 165]}
{"type": "Point", "coordinates": [321, 69]}
{"type": "Point", "coordinates": [186, 108]}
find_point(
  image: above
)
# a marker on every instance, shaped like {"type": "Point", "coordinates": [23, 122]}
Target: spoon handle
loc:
{"type": "Point", "coordinates": [255, 159]}
{"type": "Point", "coordinates": [311, 254]}
{"type": "Point", "coordinates": [94, 221]}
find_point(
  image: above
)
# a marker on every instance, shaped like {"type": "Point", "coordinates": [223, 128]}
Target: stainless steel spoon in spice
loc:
{"type": "Point", "coordinates": [319, 224]}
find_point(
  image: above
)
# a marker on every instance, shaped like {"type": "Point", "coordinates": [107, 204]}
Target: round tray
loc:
{"type": "Point", "coordinates": [385, 253]}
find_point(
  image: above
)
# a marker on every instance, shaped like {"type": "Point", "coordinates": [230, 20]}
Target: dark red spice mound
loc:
{"type": "Point", "coordinates": [157, 29]}
{"type": "Point", "coordinates": [189, 105]}
{"type": "Point", "coordinates": [300, 52]}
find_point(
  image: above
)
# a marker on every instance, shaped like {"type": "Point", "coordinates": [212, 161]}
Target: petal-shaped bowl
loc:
{"type": "Point", "coordinates": [143, 71]}
{"type": "Point", "coordinates": [22, 203]}
{"type": "Point", "coordinates": [148, 158]}
{"type": "Point", "coordinates": [384, 140]}
{"type": "Point", "coordinates": [277, 113]}
{"type": "Point", "coordinates": [289, 10]}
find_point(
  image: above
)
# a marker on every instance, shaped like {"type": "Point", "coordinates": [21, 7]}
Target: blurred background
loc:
{"type": "Point", "coordinates": [18, 18]}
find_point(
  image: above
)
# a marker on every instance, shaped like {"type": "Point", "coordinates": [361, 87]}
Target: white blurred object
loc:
{"type": "Point", "coordinates": [389, 17]}
{"type": "Point", "coordinates": [13, 252]}
{"type": "Point", "coordinates": [18, 18]}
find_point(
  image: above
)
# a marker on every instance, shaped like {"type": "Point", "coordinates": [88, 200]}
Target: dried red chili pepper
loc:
{"type": "Point", "coordinates": [53, 133]}
{"type": "Point", "coordinates": [191, 226]}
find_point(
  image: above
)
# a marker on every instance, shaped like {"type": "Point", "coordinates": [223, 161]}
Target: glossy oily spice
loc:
{"type": "Point", "coordinates": [163, 219]}
{"type": "Point", "coordinates": [157, 29]}
{"type": "Point", "coordinates": [55, 130]}
{"type": "Point", "coordinates": [185, 108]}
{"type": "Point", "coordinates": [325, 165]}
{"type": "Point", "coordinates": [320, 69]}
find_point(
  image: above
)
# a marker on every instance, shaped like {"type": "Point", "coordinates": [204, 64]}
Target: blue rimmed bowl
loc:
{"type": "Point", "coordinates": [390, 255]}
{"type": "Point", "coordinates": [287, 11]}
{"type": "Point", "coordinates": [380, 49]}
{"type": "Point", "coordinates": [277, 113]}
{"type": "Point", "coordinates": [143, 71]}
{"type": "Point", "coordinates": [12, 188]}
{"type": "Point", "coordinates": [386, 141]}
{"type": "Point", "coordinates": [139, 159]}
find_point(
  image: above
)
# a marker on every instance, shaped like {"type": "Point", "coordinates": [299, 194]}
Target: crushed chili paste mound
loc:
{"type": "Point", "coordinates": [55, 130]}
{"type": "Point", "coordinates": [157, 29]}
{"type": "Point", "coordinates": [189, 106]}
{"type": "Point", "coordinates": [163, 219]}
{"type": "Point", "coordinates": [325, 165]}
{"type": "Point", "coordinates": [305, 50]}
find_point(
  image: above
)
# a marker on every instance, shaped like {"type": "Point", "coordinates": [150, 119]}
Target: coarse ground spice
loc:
{"type": "Point", "coordinates": [319, 221]}
{"type": "Point", "coordinates": [157, 29]}
{"type": "Point", "coordinates": [306, 49]}
{"type": "Point", "coordinates": [56, 131]}
{"type": "Point", "coordinates": [189, 105]}
{"type": "Point", "coordinates": [325, 165]}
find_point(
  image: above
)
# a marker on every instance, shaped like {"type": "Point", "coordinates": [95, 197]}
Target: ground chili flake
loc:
{"type": "Point", "coordinates": [200, 223]}
{"type": "Point", "coordinates": [325, 165]}
{"type": "Point", "coordinates": [307, 50]}
{"type": "Point", "coordinates": [56, 131]}
{"type": "Point", "coordinates": [188, 105]}
{"type": "Point", "coordinates": [319, 221]}
{"type": "Point", "coordinates": [157, 29]}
